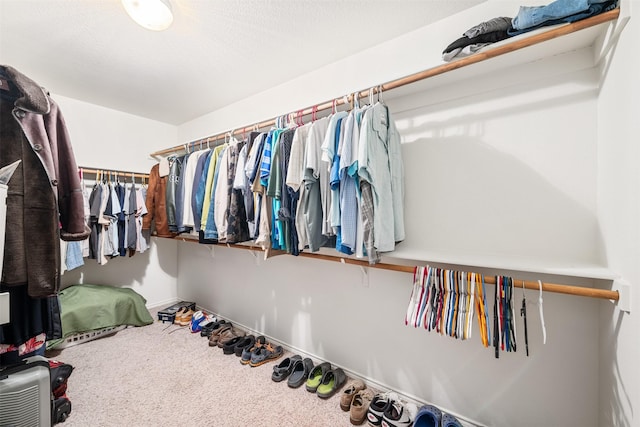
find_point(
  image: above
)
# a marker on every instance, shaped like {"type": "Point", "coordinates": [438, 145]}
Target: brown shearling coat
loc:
{"type": "Point", "coordinates": [44, 201]}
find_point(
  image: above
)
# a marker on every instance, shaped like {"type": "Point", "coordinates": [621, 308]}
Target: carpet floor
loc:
{"type": "Point", "coordinates": [159, 376]}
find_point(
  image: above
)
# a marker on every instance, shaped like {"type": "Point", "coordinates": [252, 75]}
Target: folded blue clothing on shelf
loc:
{"type": "Point", "coordinates": [557, 12]}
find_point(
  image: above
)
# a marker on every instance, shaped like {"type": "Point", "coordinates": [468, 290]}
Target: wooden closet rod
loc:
{"type": "Point", "coordinates": [528, 284]}
{"type": "Point", "coordinates": [114, 171]}
{"type": "Point", "coordinates": [421, 75]}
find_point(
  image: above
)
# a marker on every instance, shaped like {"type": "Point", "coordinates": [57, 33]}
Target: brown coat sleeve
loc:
{"type": "Point", "coordinates": [67, 180]}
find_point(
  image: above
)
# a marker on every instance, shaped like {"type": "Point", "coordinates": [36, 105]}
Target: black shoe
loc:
{"type": "Point", "coordinates": [282, 370]}
{"type": "Point", "coordinates": [245, 342]}
{"type": "Point", "coordinates": [210, 327]}
{"type": "Point", "coordinates": [300, 373]}
{"type": "Point", "coordinates": [228, 347]}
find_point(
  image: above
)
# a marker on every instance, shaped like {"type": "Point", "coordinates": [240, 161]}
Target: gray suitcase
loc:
{"type": "Point", "coordinates": [25, 394]}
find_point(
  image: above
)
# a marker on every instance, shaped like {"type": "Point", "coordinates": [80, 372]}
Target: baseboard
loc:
{"type": "Point", "coordinates": [371, 382]}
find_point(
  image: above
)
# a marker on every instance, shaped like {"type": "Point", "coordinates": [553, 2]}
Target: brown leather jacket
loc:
{"type": "Point", "coordinates": [44, 201]}
{"type": "Point", "coordinates": [156, 205]}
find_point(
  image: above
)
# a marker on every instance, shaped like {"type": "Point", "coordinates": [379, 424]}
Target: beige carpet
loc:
{"type": "Point", "coordinates": [150, 376]}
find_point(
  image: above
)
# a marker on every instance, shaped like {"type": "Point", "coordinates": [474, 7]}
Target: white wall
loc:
{"type": "Point", "coordinates": [106, 138]}
{"type": "Point", "coordinates": [396, 58]}
{"type": "Point", "coordinates": [502, 166]}
{"type": "Point", "coordinates": [619, 211]}
{"type": "Point", "coordinates": [324, 309]}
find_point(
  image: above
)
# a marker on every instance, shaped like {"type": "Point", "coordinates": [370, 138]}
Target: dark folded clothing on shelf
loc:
{"type": "Point", "coordinates": [496, 24]}
{"type": "Point", "coordinates": [492, 37]}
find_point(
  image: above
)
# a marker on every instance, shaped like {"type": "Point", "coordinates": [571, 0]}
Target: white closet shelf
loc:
{"type": "Point", "coordinates": [594, 32]}
{"type": "Point", "coordinates": [506, 262]}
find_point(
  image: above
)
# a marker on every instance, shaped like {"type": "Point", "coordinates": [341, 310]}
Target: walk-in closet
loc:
{"type": "Point", "coordinates": [319, 213]}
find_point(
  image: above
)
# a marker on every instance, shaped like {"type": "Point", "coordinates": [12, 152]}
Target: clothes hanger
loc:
{"type": "Point", "coordinates": [345, 101]}
{"type": "Point", "coordinates": [496, 322]}
{"type": "Point", "coordinates": [408, 318]}
{"type": "Point", "coordinates": [292, 121]}
{"type": "Point", "coordinates": [540, 305]}
{"type": "Point", "coordinates": [523, 313]}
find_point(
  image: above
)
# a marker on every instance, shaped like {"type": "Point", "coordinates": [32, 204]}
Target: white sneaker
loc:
{"type": "Point", "coordinates": [399, 414]}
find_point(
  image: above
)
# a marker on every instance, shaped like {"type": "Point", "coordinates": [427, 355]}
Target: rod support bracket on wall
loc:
{"type": "Point", "coordinates": [365, 276]}
{"type": "Point", "coordinates": [255, 257]}
{"type": "Point", "coordinates": [624, 290]}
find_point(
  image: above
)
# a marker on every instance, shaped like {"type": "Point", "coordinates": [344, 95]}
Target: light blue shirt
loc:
{"type": "Point", "coordinates": [380, 164]}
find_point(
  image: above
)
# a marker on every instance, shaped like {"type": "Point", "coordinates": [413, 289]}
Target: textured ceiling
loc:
{"type": "Point", "coordinates": [215, 53]}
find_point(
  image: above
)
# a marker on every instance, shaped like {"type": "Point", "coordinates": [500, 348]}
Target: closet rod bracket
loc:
{"type": "Point", "coordinates": [624, 290]}
{"type": "Point", "coordinates": [365, 276]}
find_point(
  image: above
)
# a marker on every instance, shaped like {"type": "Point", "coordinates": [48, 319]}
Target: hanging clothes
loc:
{"type": "Point", "coordinates": [285, 214]}
{"type": "Point", "coordinates": [122, 219]}
{"type": "Point", "coordinates": [293, 181]}
{"type": "Point", "coordinates": [179, 196]}
{"type": "Point", "coordinates": [131, 209]}
{"type": "Point", "coordinates": [315, 177]}
{"type": "Point", "coordinates": [141, 210]}
{"type": "Point", "coordinates": [236, 215]}
{"type": "Point", "coordinates": [172, 202]}
{"type": "Point", "coordinates": [156, 220]}
{"type": "Point", "coordinates": [242, 184]}
{"type": "Point", "coordinates": [381, 174]}
{"type": "Point", "coordinates": [208, 224]}
{"type": "Point", "coordinates": [337, 182]}
{"type": "Point", "coordinates": [189, 177]}
{"type": "Point", "coordinates": [198, 198]}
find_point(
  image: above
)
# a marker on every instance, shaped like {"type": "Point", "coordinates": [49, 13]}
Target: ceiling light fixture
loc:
{"type": "Point", "coordinates": [153, 15]}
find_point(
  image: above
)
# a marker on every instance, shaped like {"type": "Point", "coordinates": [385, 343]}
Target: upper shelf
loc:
{"type": "Point", "coordinates": [524, 48]}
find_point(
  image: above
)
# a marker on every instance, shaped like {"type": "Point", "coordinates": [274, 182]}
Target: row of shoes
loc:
{"type": "Point", "coordinates": [253, 351]}
{"type": "Point", "coordinates": [323, 380]}
{"type": "Point", "coordinates": [387, 410]}
{"type": "Point", "coordinates": [379, 409]}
